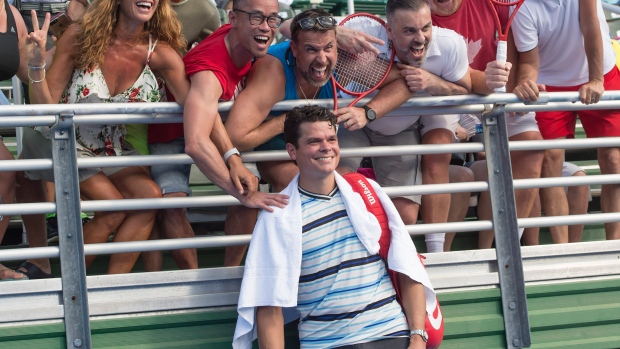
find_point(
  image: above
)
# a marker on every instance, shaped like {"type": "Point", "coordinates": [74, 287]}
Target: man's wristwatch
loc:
{"type": "Point", "coordinates": [370, 114]}
{"type": "Point", "coordinates": [420, 333]}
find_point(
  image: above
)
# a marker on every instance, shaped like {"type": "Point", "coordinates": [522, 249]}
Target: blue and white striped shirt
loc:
{"type": "Point", "coordinates": [345, 294]}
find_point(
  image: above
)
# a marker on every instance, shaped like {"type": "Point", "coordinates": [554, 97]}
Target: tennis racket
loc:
{"type": "Point", "coordinates": [360, 74]}
{"type": "Point", "coordinates": [498, 7]}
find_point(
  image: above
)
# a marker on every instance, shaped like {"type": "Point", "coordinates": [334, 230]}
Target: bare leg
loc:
{"type": "Point", "coordinates": [7, 194]}
{"type": "Point", "coordinates": [530, 235]}
{"type": "Point", "coordinates": [175, 225]}
{"type": "Point", "coordinates": [577, 204]}
{"type": "Point", "coordinates": [50, 194]}
{"type": "Point", "coordinates": [28, 191]}
{"type": "Point", "coordinates": [407, 209]}
{"type": "Point", "coordinates": [459, 202]}
{"type": "Point", "coordinates": [134, 182]}
{"type": "Point", "coordinates": [609, 161]}
{"type": "Point", "coordinates": [435, 171]}
{"type": "Point", "coordinates": [525, 164]}
{"type": "Point", "coordinates": [154, 260]}
{"type": "Point", "coordinates": [137, 225]}
{"type": "Point", "coordinates": [553, 200]}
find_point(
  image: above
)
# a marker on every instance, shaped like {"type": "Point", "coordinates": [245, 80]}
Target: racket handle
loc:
{"type": "Point", "coordinates": [502, 53]}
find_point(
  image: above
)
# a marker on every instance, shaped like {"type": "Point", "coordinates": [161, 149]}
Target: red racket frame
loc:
{"type": "Point", "coordinates": [336, 85]}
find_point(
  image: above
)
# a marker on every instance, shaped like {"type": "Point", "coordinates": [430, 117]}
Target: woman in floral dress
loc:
{"type": "Point", "coordinates": [115, 54]}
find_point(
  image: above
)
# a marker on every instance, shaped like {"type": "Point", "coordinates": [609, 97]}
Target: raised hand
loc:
{"type": "Point", "coordinates": [497, 73]}
{"type": "Point", "coordinates": [356, 42]}
{"type": "Point", "coordinates": [36, 41]}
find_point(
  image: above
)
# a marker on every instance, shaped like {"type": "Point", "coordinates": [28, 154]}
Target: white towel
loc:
{"type": "Point", "coordinates": [273, 263]}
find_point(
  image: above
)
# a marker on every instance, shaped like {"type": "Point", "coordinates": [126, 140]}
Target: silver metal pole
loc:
{"type": "Point", "coordinates": [350, 7]}
{"type": "Point", "coordinates": [71, 244]}
{"type": "Point", "coordinates": [507, 247]}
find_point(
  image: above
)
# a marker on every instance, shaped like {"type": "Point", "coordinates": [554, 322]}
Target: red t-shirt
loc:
{"type": "Point", "coordinates": [211, 54]}
{"type": "Point", "coordinates": [475, 21]}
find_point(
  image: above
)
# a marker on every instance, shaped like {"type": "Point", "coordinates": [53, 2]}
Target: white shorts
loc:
{"type": "Point", "coordinates": [432, 122]}
{"type": "Point", "coordinates": [516, 124]}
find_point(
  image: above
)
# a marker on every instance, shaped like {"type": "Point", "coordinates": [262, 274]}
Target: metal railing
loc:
{"type": "Point", "coordinates": [71, 249]}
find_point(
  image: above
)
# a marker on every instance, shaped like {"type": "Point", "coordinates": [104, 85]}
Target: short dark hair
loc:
{"type": "Point", "coordinates": [311, 13]}
{"type": "Point", "coordinates": [412, 5]}
{"type": "Point", "coordinates": [307, 113]}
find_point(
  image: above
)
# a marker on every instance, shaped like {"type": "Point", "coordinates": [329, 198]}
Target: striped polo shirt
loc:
{"type": "Point", "coordinates": [345, 294]}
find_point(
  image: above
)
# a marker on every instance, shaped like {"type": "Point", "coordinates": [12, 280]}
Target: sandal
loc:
{"type": "Point", "coordinates": [32, 271]}
{"type": "Point", "coordinates": [12, 278]}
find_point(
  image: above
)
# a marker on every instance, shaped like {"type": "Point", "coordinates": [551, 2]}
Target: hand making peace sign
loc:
{"type": "Point", "coordinates": [36, 41]}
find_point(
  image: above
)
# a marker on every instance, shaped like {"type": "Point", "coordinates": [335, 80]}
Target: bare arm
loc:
{"type": "Point", "coordinates": [392, 94]}
{"type": "Point", "coordinates": [527, 75]}
{"type": "Point", "coordinates": [419, 79]}
{"type": "Point", "coordinates": [57, 76]}
{"type": "Point", "coordinates": [270, 327]}
{"type": "Point", "coordinates": [246, 123]}
{"type": "Point", "coordinates": [22, 34]}
{"type": "Point", "coordinates": [591, 91]}
{"type": "Point", "coordinates": [414, 306]}
{"type": "Point", "coordinates": [199, 120]}
{"type": "Point", "coordinates": [167, 64]}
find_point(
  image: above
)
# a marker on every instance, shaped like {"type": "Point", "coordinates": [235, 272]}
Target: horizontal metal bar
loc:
{"type": "Point", "coordinates": [23, 165]}
{"type": "Point", "coordinates": [171, 107]}
{"type": "Point", "coordinates": [235, 240]}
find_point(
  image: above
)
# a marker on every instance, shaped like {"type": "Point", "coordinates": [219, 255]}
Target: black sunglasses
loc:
{"type": "Point", "coordinates": [326, 22]}
{"type": "Point", "coordinates": [257, 18]}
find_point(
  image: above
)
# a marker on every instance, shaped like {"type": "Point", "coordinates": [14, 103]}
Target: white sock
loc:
{"type": "Point", "coordinates": [434, 242]}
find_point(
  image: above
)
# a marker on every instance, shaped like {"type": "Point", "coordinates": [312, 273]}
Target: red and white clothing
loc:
{"type": "Point", "coordinates": [475, 21]}
{"type": "Point", "coordinates": [211, 54]}
{"type": "Point", "coordinates": [553, 27]}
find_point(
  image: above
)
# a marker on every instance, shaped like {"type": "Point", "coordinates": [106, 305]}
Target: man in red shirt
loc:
{"type": "Point", "coordinates": [474, 20]}
{"type": "Point", "coordinates": [216, 68]}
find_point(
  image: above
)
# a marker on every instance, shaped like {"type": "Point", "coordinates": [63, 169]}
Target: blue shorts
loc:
{"type": "Point", "coordinates": [171, 178]}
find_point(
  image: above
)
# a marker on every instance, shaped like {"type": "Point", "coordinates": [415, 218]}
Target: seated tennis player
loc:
{"type": "Point", "coordinates": [317, 259]}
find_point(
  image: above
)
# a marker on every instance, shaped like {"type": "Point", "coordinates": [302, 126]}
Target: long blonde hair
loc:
{"type": "Point", "coordinates": [96, 31]}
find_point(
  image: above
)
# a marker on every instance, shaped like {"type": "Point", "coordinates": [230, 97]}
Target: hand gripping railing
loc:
{"type": "Point", "coordinates": [505, 223]}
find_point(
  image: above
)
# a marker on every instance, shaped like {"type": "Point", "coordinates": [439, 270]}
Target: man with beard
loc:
{"type": "Point", "coordinates": [216, 69]}
{"type": "Point", "coordinates": [297, 69]}
{"type": "Point", "coordinates": [474, 19]}
{"type": "Point", "coordinates": [434, 62]}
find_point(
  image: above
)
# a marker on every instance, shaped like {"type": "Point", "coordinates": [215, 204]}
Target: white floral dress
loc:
{"type": "Point", "coordinates": [89, 86]}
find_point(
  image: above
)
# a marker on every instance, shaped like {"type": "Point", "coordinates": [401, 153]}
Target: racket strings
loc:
{"type": "Point", "coordinates": [358, 73]}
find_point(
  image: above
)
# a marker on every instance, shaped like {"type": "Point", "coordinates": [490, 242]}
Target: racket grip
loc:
{"type": "Point", "coordinates": [502, 53]}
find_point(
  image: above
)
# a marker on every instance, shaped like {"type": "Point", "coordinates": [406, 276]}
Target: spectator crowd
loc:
{"type": "Point", "coordinates": [105, 51]}
{"type": "Point", "coordinates": [111, 51]}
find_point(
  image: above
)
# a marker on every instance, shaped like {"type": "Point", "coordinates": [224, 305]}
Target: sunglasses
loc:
{"type": "Point", "coordinates": [326, 22]}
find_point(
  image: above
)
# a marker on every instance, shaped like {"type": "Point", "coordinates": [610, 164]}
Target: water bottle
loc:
{"type": "Point", "coordinates": [478, 127]}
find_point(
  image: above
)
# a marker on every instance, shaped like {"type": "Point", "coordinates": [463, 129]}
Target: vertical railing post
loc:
{"type": "Point", "coordinates": [507, 247]}
{"type": "Point", "coordinates": [71, 241]}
